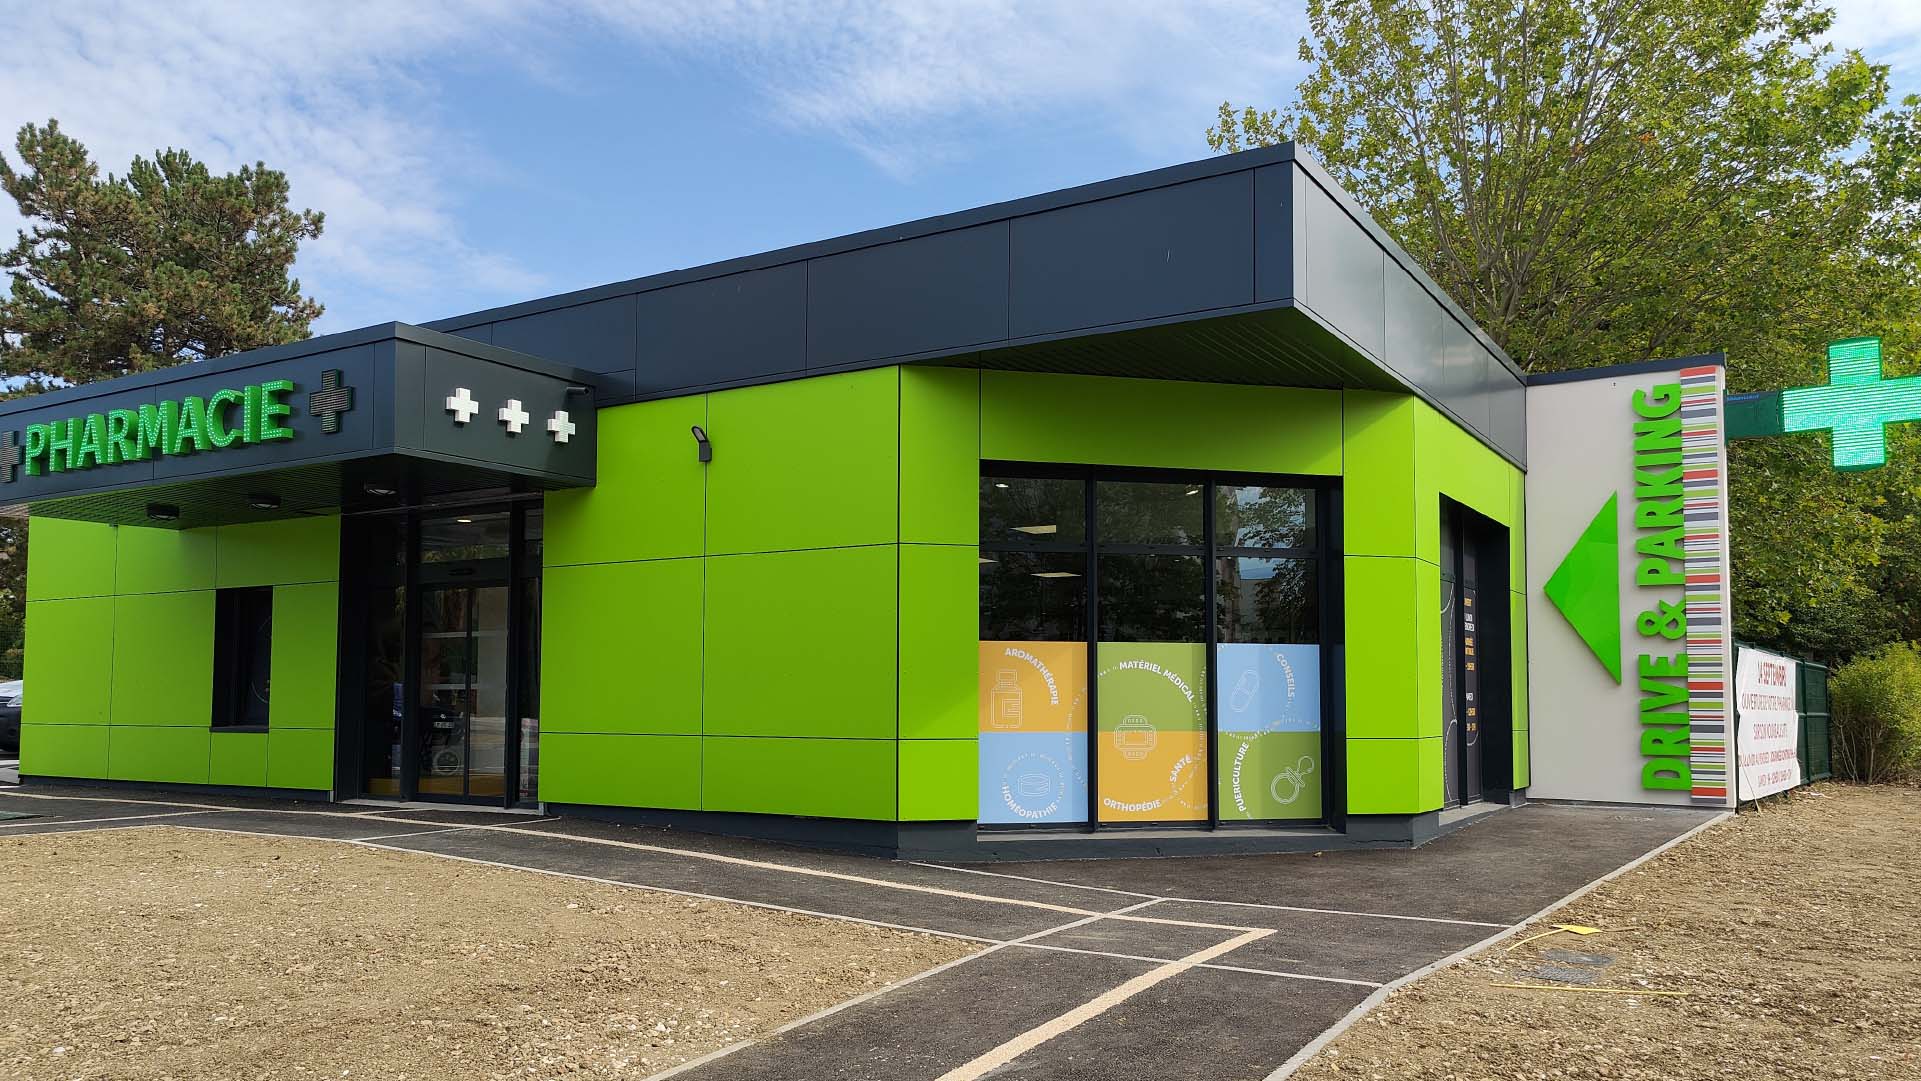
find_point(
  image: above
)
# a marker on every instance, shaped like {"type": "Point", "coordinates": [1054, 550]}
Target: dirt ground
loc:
{"type": "Point", "coordinates": [1794, 932]}
{"type": "Point", "coordinates": [138, 955]}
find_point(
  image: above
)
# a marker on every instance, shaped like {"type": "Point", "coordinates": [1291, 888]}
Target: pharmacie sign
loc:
{"type": "Point", "coordinates": [1643, 587]}
{"type": "Point", "coordinates": [250, 415]}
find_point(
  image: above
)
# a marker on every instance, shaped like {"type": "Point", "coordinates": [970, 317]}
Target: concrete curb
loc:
{"type": "Point", "coordinates": [1300, 1058]}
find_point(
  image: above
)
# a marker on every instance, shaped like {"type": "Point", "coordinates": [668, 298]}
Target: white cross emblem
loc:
{"type": "Point", "coordinates": [513, 416]}
{"type": "Point", "coordinates": [462, 405]}
{"type": "Point", "coordinates": [561, 426]}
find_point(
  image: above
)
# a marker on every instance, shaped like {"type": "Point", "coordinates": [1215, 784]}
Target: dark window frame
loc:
{"type": "Point", "coordinates": [236, 658]}
{"type": "Point", "coordinates": [1326, 552]}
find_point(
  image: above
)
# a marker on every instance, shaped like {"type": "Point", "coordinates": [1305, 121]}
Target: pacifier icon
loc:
{"type": "Point", "coordinates": [1294, 776]}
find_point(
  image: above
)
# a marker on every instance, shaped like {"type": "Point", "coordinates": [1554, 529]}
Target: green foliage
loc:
{"type": "Point", "coordinates": [169, 263]}
{"type": "Point", "coordinates": [1604, 181]}
{"type": "Point", "coordinates": [1876, 699]}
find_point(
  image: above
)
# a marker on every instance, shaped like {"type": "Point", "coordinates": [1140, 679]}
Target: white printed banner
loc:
{"type": "Point", "coordinates": [1768, 724]}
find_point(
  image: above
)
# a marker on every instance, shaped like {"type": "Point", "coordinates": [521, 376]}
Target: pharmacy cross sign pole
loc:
{"type": "Point", "coordinates": [1856, 405]}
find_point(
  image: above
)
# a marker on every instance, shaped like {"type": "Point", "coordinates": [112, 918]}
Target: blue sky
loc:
{"type": "Point", "coordinates": [479, 153]}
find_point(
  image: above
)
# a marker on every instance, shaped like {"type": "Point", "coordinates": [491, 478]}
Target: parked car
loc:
{"type": "Point", "coordinates": [10, 716]}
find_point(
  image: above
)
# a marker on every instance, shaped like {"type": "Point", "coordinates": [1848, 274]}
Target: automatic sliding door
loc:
{"type": "Point", "coordinates": [462, 709]}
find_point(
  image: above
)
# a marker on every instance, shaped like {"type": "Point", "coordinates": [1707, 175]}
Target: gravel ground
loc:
{"type": "Point", "coordinates": [168, 953]}
{"type": "Point", "coordinates": [1794, 932]}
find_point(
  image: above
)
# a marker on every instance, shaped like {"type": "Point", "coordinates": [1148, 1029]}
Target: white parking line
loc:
{"type": "Point", "coordinates": [79, 823]}
{"type": "Point", "coordinates": [1206, 901]}
{"type": "Point", "coordinates": [1007, 1052]}
{"type": "Point", "coordinates": [415, 833]}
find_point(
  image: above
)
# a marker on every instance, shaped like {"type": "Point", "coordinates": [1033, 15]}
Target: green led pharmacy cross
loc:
{"type": "Point", "coordinates": [1857, 405]}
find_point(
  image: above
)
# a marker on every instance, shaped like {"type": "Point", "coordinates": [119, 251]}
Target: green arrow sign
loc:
{"type": "Point", "coordinates": [1586, 587]}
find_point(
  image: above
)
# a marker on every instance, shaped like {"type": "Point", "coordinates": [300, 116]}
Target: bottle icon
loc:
{"type": "Point", "coordinates": [1004, 700]}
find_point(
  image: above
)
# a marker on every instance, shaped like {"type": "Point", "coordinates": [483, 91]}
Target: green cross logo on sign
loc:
{"type": "Point", "coordinates": [1857, 405]}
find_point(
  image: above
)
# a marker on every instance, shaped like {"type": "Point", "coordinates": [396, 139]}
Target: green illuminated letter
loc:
{"type": "Point", "coordinates": [35, 449]}
{"type": "Point", "coordinates": [191, 428]}
{"type": "Point", "coordinates": [88, 448]}
{"type": "Point", "coordinates": [273, 411]}
{"type": "Point", "coordinates": [121, 446]}
{"type": "Point", "coordinates": [60, 445]}
{"type": "Point", "coordinates": [217, 431]}
{"type": "Point", "coordinates": [153, 434]}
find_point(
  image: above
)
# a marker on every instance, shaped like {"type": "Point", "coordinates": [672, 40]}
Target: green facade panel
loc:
{"type": "Point", "coordinates": [939, 641]}
{"type": "Point", "coordinates": [69, 648]}
{"type": "Point", "coordinates": [1393, 776]}
{"type": "Point", "coordinates": [938, 780]}
{"type": "Point", "coordinates": [63, 750]}
{"type": "Point", "coordinates": [163, 660]}
{"type": "Point", "coordinates": [154, 753]}
{"type": "Point", "coordinates": [1383, 677]}
{"type": "Point", "coordinates": [306, 643]}
{"type": "Point", "coordinates": [300, 758]}
{"type": "Point", "coordinates": [279, 553]}
{"type": "Point", "coordinates": [940, 442]}
{"type": "Point", "coordinates": [806, 464]}
{"type": "Point", "coordinates": [621, 648]}
{"type": "Point", "coordinates": [825, 778]}
{"type": "Point", "coordinates": [238, 759]}
{"type": "Point", "coordinates": [1034, 417]}
{"type": "Point", "coordinates": [1379, 503]}
{"type": "Point", "coordinates": [650, 501]}
{"type": "Point", "coordinates": [614, 770]}
{"type": "Point", "coordinates": [69, 559]}
{"type": "Point", "coordinates": [1522, 773]}
{"type": "Point", "coordinates": [803, 643]}
{"type": "Point", "coordinates": [164, 560]}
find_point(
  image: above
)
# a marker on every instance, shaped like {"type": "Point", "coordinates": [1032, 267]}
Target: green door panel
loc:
{"type": "Point", "coordinates": [621, 649]}
{"type": "Point", "coordinates": [824, 778]}
{"type": "Point", "coordinates": [69, 559]}
{"type": "Point", "coordinates": [808, 464]}
{"type": "Point", "coordinates": [650, 499]}
{"type": "Point", "coordinates": [305, 653]}
{"type": "Point", "coordinates": [69, 643]}
{"type": "Point", "coordinates": [620, 770]}
{"type": "Point", "coordinates": [238, 758]}
{"type": "Point", "coordinates": [163, 660]}
{"type": "Point", "coordinates": [154, 753]}
{"type": "Point", "coordinates": [802, 643]}
{"type": "Point", "coordinates": [63, 750]}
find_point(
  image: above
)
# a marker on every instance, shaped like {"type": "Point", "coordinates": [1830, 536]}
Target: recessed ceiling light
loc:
{"type": "Point", "coordinates": [465, 521]}
{"type": "Point", "coordinates": [984, 559]}
{"type": "Point", "coordinates": [1055, 574]}
{"type": "Point", "coordinates": [379, 489]}
{"type": "Point", "coordinates": [1037, 530]}
{"type": "Point", "coordinates": [163, 512]}
{"type": "Point", "coordinates": [1193, 491]}
{"type": "Point", "coordinates": [263, 501]}
{"type": "Point", "coordinates": [1000, 484]}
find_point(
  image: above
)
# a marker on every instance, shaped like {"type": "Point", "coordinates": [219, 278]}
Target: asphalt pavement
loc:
{"type": "Point", "coordinates": [1214, 968]}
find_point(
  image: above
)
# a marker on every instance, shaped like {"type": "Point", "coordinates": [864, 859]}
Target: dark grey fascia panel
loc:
{"type": "Point", "coordinates": [395, 427]}
{"type": "Point", "coordinates": [1238, 235]}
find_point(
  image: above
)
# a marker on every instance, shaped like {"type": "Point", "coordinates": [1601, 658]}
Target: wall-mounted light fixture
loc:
{"type": "Point", "coordinates": [263, 501]}
{"type": "Point", "coordinates": [706, 448]}
{"type": "Point", "coordinates": [163, 512]}
{"type": "Point", "coordinates": [576, 390]}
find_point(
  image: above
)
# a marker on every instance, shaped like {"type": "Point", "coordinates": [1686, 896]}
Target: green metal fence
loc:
{"type": "Point", "coordinates": [1811, 698]}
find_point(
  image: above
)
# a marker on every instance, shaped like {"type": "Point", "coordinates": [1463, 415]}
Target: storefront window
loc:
{"type": "Point", "coordinates": [1033, 651]}
{"type": "Point", "coordinates": [1164, 552]}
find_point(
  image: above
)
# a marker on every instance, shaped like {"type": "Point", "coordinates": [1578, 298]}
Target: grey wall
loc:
{"type": "Point", "coordinates": [1197, 244]}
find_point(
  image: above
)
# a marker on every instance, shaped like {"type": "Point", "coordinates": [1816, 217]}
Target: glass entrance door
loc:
{"type": "Point", "coordinates": [461, 714]}
{"type": "Point", "coordinates": [449, 657]}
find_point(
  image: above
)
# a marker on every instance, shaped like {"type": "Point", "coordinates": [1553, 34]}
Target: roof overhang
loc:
{"type": "Point", "coordinates": [346, 422]}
